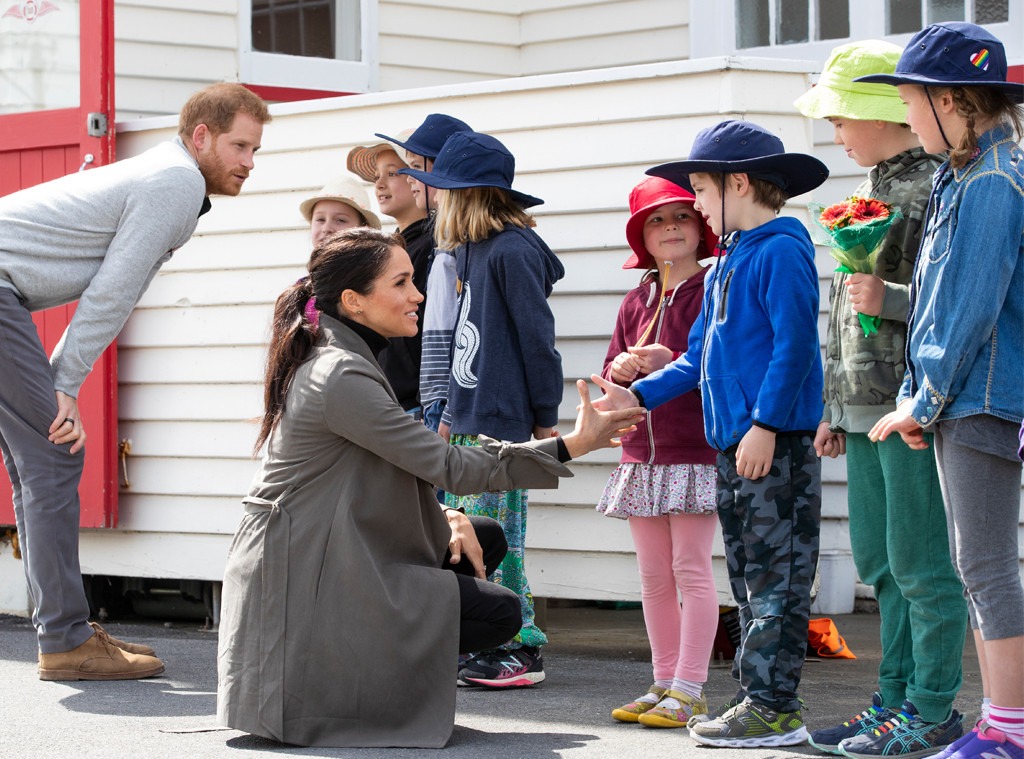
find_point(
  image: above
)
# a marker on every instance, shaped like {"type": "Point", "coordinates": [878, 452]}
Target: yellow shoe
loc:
{"type": "Point", "coordinates": [632, 711]}
{"type": "Point", "coordinates": [674, 710]}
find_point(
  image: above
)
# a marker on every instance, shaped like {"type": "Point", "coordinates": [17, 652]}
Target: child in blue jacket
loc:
{"type": "Point", "coordinates": [754, 353]}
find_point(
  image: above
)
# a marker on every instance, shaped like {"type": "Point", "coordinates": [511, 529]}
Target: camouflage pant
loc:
{"type": "Point", "coordinates": [770, 528]}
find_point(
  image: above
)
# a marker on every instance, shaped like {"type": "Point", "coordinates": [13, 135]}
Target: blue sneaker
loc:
{"type": "Point", "coordinates": [875, 715]}
{"type": "Point", "coordinates": [905, 735]}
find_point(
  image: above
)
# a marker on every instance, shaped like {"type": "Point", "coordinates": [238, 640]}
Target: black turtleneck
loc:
{"type": "Point", "coordinates": [375, 342]}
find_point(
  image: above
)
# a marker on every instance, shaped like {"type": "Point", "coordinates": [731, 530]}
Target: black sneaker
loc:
{"type": "Point", "coordinates": [505, 669]}
{"type": "Point", "coordinates": [875, 715]}
{"type": "Point", "coordinates": [905, 735]}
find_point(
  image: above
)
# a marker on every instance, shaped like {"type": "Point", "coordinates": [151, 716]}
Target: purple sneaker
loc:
{"type": "Point", "coordinates": [989, 743]}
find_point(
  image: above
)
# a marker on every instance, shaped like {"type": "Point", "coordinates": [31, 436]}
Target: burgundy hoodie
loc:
{"type": "Point", "coordinates": [674, 432]}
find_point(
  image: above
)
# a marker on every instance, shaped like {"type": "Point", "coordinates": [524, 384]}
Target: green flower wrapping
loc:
{"type": "Point", "coordinates": [854, 230]}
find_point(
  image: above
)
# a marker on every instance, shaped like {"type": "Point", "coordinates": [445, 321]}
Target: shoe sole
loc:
{"type": "Point", "coordinates": [792, 738]}
{"type": "Point", "coordinates": [64, 675]}
{"type": "Point", "coordinates": [825, 748]}
{"type": "Point", "coordinates": [649, 720]}
{"type": "Point", "coordinates": [909, 755]}
{"type": "Point", "coordinates": [519, 681]}
{"type": "Point", "coordinates": [623, 716]}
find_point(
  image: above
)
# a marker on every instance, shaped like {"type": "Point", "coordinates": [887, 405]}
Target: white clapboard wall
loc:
{"type": "Point", "coordinates": [419, 43]}
{"type": "Point", "coordinates": [191, 355]}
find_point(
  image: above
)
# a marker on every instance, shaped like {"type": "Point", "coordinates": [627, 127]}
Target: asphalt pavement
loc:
{"type": "Point", "coordinates": [597, 659]}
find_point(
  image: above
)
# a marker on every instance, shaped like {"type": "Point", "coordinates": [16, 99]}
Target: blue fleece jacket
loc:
{"type": "Point", "coordinates": [506, 374]}
{"type": "Point", "coordinates": [754, 349]}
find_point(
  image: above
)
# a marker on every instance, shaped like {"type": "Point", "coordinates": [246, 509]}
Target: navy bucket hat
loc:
{"type": "Point", "coordinates": [952, 54]}
{"type": "Point", "coordinates": [473, 159]}
{"type": "Point", "coordinates": [429, 137]}
{"type": "Point", "coordinates": [742, 147]}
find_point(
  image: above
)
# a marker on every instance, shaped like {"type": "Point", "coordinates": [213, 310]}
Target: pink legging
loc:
{"type": "Point", "coordinates": [674, 554]}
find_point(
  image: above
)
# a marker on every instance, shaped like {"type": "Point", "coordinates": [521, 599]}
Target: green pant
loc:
{"type": "Point", "coordinates": [901, 548]}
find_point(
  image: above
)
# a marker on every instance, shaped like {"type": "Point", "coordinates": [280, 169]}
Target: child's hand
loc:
{"type": "Point", "coordinates": [755, 453]}
{"type": "Point", "coordinates": [445, 431]}
{"type": "Point", "coordinates": [601, 428]}
{"type": "Point", "coordinates": [615, 396]}
{"type": "Point", "coordinates": [902, 422]}
{"type": "Point", "coordinates": [651, 358]}
{"type": "Point", "coordinates": [543, 433]}
{"type": "Point", "coordinates": [828, 443]}
{"type": "Point", "coordinates": [866, 293]}
{"type": "Point", "coordinates": [624, 368]}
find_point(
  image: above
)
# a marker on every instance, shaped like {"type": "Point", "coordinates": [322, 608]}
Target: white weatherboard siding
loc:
{"type": "Point", "coordinates": [164, 50]}
{"type": "Point", "coordinates": [191, 355]}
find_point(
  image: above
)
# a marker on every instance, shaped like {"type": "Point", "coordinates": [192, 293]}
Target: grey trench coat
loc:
{"type": "Point", "coordinates": [338, 626]}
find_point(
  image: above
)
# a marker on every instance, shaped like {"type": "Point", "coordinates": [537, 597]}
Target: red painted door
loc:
{"type": "Point", "coordinates": [41, 144]}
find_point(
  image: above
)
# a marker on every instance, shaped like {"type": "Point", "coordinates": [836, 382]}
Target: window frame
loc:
{"type": "Point", "coordinates": [294, 71]}
{"type": "Point", "coordinates": [713, 32]}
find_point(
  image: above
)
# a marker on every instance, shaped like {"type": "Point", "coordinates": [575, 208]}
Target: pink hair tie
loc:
{"type": "Point", "coordinates": [312, 315]}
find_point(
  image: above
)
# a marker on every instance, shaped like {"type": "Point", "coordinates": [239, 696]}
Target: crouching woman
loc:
{"type": "Point", "coordinates": [341, 622]}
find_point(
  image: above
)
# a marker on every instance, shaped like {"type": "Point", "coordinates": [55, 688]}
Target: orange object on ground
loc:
{"type": "Point", "coordinates": [825, 640]}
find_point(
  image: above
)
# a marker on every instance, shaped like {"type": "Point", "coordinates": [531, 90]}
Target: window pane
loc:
{"type": "Point", "coordinates": [833, 19]}
{"type": "Point", "coordinates": [294, 27]}
{"type": "Point", "coordinates": [791, 22]}
{"type": "Point", "coordinates": [991, 11]}
{"type": "Point", "coordinates": [751, 23]}
{"type": "Point", "coordinates": [945, 10]}
{"type": "Point", "coordinates": [903, 16]}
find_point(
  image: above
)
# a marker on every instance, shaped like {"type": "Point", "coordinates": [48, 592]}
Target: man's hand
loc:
{"type": "Point", "coordinates": [755, 453]}
{"type": "Point", "coordinates": [464, 542]}
{"type": "Point", "coordinates": [67, 425]}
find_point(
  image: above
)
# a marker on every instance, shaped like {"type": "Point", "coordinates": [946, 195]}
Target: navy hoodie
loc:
{"type": "Point", "coordinates": [506, 374]}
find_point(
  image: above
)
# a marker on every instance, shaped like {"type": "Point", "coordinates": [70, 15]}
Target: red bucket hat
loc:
{"type": "Point", "coordinates": [652, 193]}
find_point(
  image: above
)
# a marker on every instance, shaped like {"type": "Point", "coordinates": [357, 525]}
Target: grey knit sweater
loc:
{"type": "Point", "coordinates": [98, 237]}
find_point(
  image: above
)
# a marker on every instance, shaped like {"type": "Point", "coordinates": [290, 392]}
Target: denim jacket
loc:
{"type": "Point", "coordinates": [965, 353]}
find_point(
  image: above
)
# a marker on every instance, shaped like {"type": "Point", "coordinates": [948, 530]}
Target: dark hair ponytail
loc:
{"type": "Point", "coordinates": [349, 260]}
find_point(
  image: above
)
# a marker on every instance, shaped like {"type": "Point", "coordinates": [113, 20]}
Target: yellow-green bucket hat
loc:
{"type": "Point", "coordinates": [836, 95]}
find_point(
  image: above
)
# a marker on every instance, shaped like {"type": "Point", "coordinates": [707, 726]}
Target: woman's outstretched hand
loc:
{"type": "Point", "coordinates": [598, 428]}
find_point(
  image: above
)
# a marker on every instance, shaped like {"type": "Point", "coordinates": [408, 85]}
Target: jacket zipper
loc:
{"type": "Point", "coordinates": [650, 417]}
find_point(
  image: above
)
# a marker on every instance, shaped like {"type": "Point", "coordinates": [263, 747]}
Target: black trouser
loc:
{"type": "Point", "coordinates": [490, 614]}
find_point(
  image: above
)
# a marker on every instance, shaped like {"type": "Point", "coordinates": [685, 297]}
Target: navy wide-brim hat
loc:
{"type": "Point", "coordinates": [429, 137]}
{"type": "Point", "coordinates": [473, 159]}
{"type": "Point", "coordinates": [742, 147]}
{"type": "Point", "coordinates": [952, 54]}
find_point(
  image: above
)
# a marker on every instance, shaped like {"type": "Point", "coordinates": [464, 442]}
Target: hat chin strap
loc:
{"type": "Point", "coordinates": [936, 115]}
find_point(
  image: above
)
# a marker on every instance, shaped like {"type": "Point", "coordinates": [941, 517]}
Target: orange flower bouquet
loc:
{"type": "Point", "coordinates": [854, 231]}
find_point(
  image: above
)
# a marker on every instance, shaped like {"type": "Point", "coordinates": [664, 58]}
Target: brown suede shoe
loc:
{"type": "Point", "coordinates": [132, 648]}
{"type": "Point", "coordinates": [97, 659]}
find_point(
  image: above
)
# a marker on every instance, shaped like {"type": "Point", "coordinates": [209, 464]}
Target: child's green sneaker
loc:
{"type": "Point", "coordinates": [632, 711]}
{"type": "Point", "coordinates": [674, 710]}
{"type": "Point", "coordinates": [750, 724]}
{"type": "Point", "coordinates": [718, 712]}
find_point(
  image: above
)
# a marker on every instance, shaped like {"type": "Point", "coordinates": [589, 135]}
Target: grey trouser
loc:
{"type": "Point", "coordinates": [45, 479]}
{"type": "Point", "coordinates": [980, 477]}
